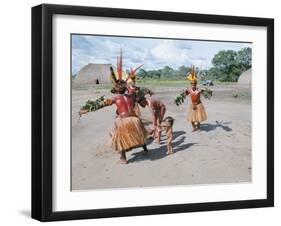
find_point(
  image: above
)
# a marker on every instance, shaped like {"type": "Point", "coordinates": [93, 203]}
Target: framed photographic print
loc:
{"type": "Point", "coordinates": [145, 112]}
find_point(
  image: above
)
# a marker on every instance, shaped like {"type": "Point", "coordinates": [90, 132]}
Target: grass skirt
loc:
{"type": "Point", "coordinates": [197, 113]}
{"type": "Point", "coordinates": [137, 110]}
{"type": "Point", "coordinates": [128, 133]}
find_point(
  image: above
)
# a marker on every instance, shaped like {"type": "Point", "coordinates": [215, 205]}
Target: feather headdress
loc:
{"type": "Point", "coordinates": [133, 76]}
{"type": "Point", "coordinates": [192, 77]}
{"type": "Point", "coordinates": [117, 78]}
{"type": "Point", "coordinates": [118, 82]}
{"type": "Point", "coordinates": [119, 73]}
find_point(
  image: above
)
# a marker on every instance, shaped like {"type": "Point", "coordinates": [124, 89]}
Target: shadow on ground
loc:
{"type": "Point", "coordinates": [207, 127]}
{"type": "Point", "coordinates": [178, 134]}
{"type": "Point", "coordinates": [160, 151]}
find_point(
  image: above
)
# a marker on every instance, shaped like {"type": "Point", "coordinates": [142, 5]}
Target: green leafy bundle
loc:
{"type": "Point", "coordinates": [179, 99]}
{"type": "Point", "coordinates": [94, 105]}
{"type": "Point", "coordinates": [144, 91]}
{"type": "Point", "coordinates": [207, 93]}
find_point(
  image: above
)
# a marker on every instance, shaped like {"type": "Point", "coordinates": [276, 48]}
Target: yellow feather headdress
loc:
{"type": "Point", "coordinates": [192, 77]}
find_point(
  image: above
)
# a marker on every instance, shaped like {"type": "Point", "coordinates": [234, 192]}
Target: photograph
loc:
{"type": "Point", "coordinates": [143, 112]}
{"type": "Point", "coordinates": [159, 112]}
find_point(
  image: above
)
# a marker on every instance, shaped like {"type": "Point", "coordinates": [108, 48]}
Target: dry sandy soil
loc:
{"type": "Point", "coordinates": [219, 153]}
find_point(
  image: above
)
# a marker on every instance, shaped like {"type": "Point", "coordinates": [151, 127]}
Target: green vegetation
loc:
{"type": "Point", "coordinates": [164, 82]}
{"type": "Point", "coordinates": [229, 64]}
{"type": "Point", "coordinates": [166, 73]}
{"type": "Point", "coordinates": [94, 105]}
{"type": "Point", "coordinates": [227, 67]}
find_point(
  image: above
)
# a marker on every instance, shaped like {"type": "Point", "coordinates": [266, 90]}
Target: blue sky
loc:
{"type": "Point", "coordinates": [153, 53]}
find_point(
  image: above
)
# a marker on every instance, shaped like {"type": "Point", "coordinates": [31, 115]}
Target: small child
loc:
{"type": "Point", "coordinates": [167, 125]}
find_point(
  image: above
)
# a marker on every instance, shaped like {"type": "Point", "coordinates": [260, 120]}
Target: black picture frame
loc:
{"type": "Point", "coordinates": [42, 111]}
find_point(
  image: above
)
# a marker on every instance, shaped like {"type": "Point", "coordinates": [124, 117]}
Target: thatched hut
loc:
{"type": "Point", "coordinates": [93, 74]}
{"type": "Point", "coordinates": [246, 77]}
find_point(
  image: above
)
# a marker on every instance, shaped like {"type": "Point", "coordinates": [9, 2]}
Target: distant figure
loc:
{"type": "Point", "coordinates": [197, 112]}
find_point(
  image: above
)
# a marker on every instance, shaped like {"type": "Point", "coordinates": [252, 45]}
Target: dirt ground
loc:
{"type": "Point", "coordinates": [219, 153]}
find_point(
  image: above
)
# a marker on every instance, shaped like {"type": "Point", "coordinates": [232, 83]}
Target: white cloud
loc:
{"type": "Point", "coordinates": [170, 52]}
{"type": "Point", "coordinates": [153, 53]}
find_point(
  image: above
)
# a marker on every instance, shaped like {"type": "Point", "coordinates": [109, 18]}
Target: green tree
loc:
{"type": "Point", "coordinates": [182, 72]}
{"type": "Point", "coordinates": [214, 74]}
{"type": "Point", "coordinates": [167, 72]}
{"type": "Point", "coordinates": [142, 73]}
{"type": "Point", "coordinates": [244, 58]}
{"type": "Point", "coordinates": [224, 59]}
{"type": "Point", "coordinates": [155, 74]}
{"type": "Point", "coordinates": [229, 64]}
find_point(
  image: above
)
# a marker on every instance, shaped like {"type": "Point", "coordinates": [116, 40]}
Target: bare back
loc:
{"type": "Point", "coordinates": [124, 104]}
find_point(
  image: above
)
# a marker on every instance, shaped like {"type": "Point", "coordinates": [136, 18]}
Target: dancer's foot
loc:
{"type": "Point", "coordinates": [169, 152]}
{"type": "Point", "coordinates": [145, 150]}
{"type": "Point", "coordinates": [194, 129]}
{"type": "Point", "coordinates": [122, 161]}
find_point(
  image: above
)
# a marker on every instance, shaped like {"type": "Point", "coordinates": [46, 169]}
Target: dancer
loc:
{"type": "Point", "coordinates": [132, 89]}
{"type": "Point", "coordinates": [197, 113]}
{"type": "Point", "coordinates": [158, 110]}
{"type": "Point", "coordinates": [129, 131]}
